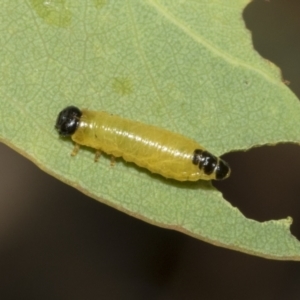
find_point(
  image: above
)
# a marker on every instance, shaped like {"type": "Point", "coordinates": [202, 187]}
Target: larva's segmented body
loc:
{"type": "Point", "coordinates": [158, 150]}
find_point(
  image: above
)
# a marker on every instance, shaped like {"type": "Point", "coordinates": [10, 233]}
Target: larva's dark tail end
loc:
{"type": "Point", "coordinates": [222, 170]}
{"type": "Point", "coordinates": [212, 166]}
{"type": "Point", "coordinates": [68, 120]}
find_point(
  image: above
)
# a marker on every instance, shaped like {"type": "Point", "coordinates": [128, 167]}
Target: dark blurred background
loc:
{"type": "Point", "coordinates": [56, 243]}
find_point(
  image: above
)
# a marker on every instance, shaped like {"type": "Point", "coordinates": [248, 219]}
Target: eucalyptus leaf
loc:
{"type": "Point", "coordinates": [187, 66]}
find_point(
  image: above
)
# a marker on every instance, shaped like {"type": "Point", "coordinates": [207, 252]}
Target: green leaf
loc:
{"type": "Point", "coordinates": [187, 66]}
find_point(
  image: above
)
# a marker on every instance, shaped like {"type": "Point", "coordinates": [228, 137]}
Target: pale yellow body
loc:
{"type": "Point", "coordinates": [156, 149]}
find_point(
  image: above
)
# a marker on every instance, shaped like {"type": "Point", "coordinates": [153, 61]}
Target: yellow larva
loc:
{"type": "Point", "coordinates": [158, 150]}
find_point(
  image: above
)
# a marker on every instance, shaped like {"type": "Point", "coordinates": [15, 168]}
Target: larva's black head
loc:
{"type": "Point", "coordinates": [68, 120]}
{"type": "Point", "coordinates": [211, 165]}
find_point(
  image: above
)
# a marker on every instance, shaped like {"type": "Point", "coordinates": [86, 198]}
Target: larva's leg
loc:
{"type": "Point", "coordinates": [97, 155]}
{"type": "Point", "coordinates": [112, 161]}
{"type": "Point", "coordinates": [75, 150]}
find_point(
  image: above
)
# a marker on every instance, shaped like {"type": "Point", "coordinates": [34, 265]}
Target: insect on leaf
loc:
{"type": "Point", "coordinates": [173, 64]}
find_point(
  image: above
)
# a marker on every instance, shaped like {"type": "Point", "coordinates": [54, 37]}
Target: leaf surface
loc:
{"type": "Point", "coordinates": [187, 66]}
